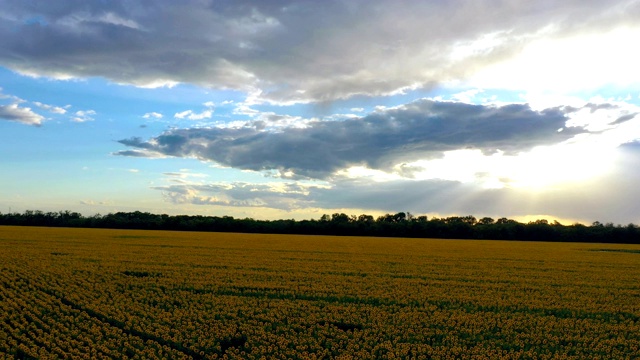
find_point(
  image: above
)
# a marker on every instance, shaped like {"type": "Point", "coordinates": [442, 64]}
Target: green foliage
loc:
{"type": "Point", "coordinates": [402, 224]}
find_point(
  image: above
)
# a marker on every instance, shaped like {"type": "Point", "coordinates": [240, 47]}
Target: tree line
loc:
{"type": "Point", "coordinates": [402, 224]}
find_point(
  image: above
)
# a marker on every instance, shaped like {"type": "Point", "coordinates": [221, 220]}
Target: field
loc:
{"type": "Point", "coordinates": [102, 294]}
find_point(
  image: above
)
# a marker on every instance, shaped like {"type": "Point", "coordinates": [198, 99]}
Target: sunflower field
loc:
{"type": "Point", "coordinates": [132, 294]}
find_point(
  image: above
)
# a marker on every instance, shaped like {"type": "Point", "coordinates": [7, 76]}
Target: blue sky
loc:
{"type": "Point", "coordinates": [283, 109]}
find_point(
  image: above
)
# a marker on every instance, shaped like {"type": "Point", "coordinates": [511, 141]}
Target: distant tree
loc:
{"type": "Point", "coordinates": [540, 222]}
{"type": "Point", "coordinates": [486, 221]}
{"type": "Point", "coordinates": [340, 218]}
{"type": "Point", "coordinates": [503, 221]}
{"type": "Point", "coordinates": [399, 217]}
{"type": "Point", "coordinates": [421, 219]}
{"type": "Point", "coordinates": [469, 219]}
{"type": "Point", "coordinates": [365, 219]}
{"type": "Point", "coordinates": [398, 224]}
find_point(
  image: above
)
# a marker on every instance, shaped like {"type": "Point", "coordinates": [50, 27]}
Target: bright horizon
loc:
{"type": "Point", "coordinates": [282, 109]}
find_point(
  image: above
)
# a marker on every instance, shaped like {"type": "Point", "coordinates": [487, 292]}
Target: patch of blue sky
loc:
{"type": "Point", "coordinates": [103, 96]}
{"type": "Point", "coordinates": [629, 93]}
{"type": "Point", "coordinates": [38, 19]}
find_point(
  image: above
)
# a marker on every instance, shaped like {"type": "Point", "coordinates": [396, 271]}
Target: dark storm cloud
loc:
{"type": "Point", "coordinates": [381, 140]}
{"type": "Point", "coordinates": [287, 50]}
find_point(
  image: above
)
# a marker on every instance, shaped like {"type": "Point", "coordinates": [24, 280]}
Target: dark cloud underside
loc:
{"type": "Point", "coordinates": [423, 129]}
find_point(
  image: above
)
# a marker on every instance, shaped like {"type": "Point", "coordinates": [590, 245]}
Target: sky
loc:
{"type": "Point", "coordinates": [280, 109]}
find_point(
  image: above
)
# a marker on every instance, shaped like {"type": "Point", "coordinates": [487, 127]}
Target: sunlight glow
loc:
{"type": "Point", "coordinates": [552, 166]}
{"type": "Point", "coordinates": [545, 167]}
{"type": "Point", "coordinates": [540, 168]}
{"type": "Point", "coordinates": [585, 61]}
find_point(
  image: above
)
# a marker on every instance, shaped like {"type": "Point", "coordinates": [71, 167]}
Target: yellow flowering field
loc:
{"type": "Point", "coordinates": [103, 294]}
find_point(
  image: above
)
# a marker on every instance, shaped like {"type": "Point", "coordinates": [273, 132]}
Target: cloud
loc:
{"type": "Point", "coordinates": [95, 203]}
{"type": "Point", "coordinates": [182, 175]}
{"type": "Point", "coordinates": [191, 115]}
{"type": "Point", "coordinates": [51, 108]}
{"type": "Point", "coordinates": [83, 116]}
{"type": "Point", "coordinates": [381, 140]}
{"type": "Point", "coordinates": [436, 197]}
{"type": "Point", "coordinates": [25, 115]}
{"type": "Point", "coordinates": [282, 196]}
{"type": "Point", "coordinates": [268, 120]}
{"type": "Point", "coordinates": [153, 115]}
{"type": "Point", "coordinates": [596, 199]}
{"type": "Point", "coordinates": [139, 153]}
{"type": "Point", "coordinates": [298, 51]}
{"type": "Point", "coordinates": [294, 196]}
{"type": "Point", "coordinates": [601, 115]}
{"type": "Point", "coordinates": [13, 98]}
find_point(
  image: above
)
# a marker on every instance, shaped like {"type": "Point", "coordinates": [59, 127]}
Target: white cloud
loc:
{"type": "Point", "coordinates": [154, 115]}
{"type": "Point", "coordinates": [185, 173]}
{"type": "Point", "coordinates": [284, 196]}
{"type": "Point", "coordinates": [13, 98]}
{"type": "Point", "coordinates": [467, 96]}
{"type": "Point", "coordinates": [245, 109]}
{"type": "Point", "coordinates": [114, 19]}
{"type": "Point", "coordinates": [25, 115]}
{"type": "Point", "coordinates": [189, 114]}
{"type": "Point", "coordinates": [83, 116]}
{"type": "Point", "coordinates": [78, 19]}
{"type": "Point", "coordinates": [51, 108]}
